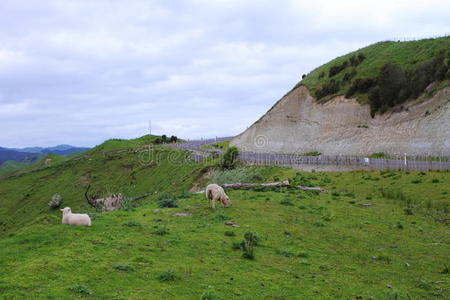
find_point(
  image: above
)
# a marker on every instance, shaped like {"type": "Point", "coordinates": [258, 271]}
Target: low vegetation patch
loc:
{"type": "Point", "coordinates": [168, 275]}
{"type": "Point", "coordinates": [167, 200]}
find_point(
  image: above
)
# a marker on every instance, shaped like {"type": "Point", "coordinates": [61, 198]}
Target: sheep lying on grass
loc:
{"type": "Point", "coordinates": [215, 193]}
{"type": "Point", "coordinates": [75, 219]}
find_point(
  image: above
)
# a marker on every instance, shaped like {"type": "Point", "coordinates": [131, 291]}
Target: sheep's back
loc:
{"type": "Point", "coordinates": [79, 220]}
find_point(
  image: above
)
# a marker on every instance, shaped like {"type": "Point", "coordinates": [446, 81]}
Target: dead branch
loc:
{"type": "Point", "coordinates": [310, 188]}
{"type": "Point", "coordinates": [140, 197]}
{"type": "Point", "coordinates": [245, 185]}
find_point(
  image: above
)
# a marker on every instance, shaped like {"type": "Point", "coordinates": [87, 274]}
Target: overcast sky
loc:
{"type": "Point", "coordinates": [81, 72]}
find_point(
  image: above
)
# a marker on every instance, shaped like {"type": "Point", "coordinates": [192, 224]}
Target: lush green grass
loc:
{"type": "Point", "coordinates": [311, 245]}
{"type": "Point", "coordinates": [25, 195]}
{"type": "Point", "coordinates": [408, 55]}
{"type": "Point", "coordinates": [118, 144]}
{"type": "Point", "coordinates": [44, 161]}
{"type": "Point", "coordinates": [11, 165]}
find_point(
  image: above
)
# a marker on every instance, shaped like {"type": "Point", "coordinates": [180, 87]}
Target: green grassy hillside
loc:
{"type": "Point", "coordinates": [413, 57]}
{"type": "Point", "coordinates": [11, 165]}
{"type": "Point", "coordinates": [116, 166]}
{"type": "Point", "coordinates": [375, 235]}
{"type": "Point", "coordinates": [18, 168]}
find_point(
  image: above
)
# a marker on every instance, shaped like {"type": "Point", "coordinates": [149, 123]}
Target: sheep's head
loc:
{"type": "Point", "coordinates": [226, 201]}
{"type": "Point", "coordinates": [66, 210]}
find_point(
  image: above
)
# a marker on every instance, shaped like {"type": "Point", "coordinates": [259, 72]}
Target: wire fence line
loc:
{"type": "Point", "coordinates": [327, 162]}
{"type": "Point", "coordinates": [345, 162]}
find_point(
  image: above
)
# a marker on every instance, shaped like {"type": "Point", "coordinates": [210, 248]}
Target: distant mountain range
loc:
{"type": "Point", "coordinates": [32, 153]}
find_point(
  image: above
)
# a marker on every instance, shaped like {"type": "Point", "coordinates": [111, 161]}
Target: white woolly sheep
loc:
{"type": "Point", "coordinates": [215, 193]}
{"type": "Point", "coordinates": [75, 219]}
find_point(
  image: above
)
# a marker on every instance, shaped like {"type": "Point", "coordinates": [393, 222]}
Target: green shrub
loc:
{"type": "Point", "coordinates": [229, 159]}
{"type": "Point", "coordinates": [248, 244]}
{"type": "Point", "coordinates": [337, 69]}
{"type": "Point", "coordinates": [313, 153]}
{"type": "Point", "coordinates": [408, 211]}
{"type": "Point", "coordinates": [168, 275]}
{"type": "Point", "coordinates": [236, 246]}
{"type": "Point", "coordinates": [123, 267]}
{"type": "Point", "coordinates": [161, 230]}
{"type": "Point", "coordinates": [318, 224]}
{"type": "Point", "coordinates": [425, 284]}
{"type": "Point", "coordinates": [328, 88]}
{"type": "Point", "coordinates": [128, 205]}
{"type": "Point", "coordinates": [184, 195]}
{"type": "Point", "coordinates": [349, 75]}
{"type": "Point", "coordinates": [395, 194]}
{"type": "Point", "coordinates": [80, 289]}
{"type": "Point", "coordinates": [221, 216]}
{"type": "Point", "coordinates": [132, 223]}
{"type": "Point", "coordinates": [287, 202]}
{"type": "Point", "coordinates": [167, 200]}
{"type": "Point", "coordinates": [230, 233]}
{"type": "Point", "coordinates": [360, 85]}
{"type": "Point", "coordinates": [379, 155]}
{"type": "Point", "coordinates": [285, 253]}
{"type": "Point", "coordinates": [210, 295]}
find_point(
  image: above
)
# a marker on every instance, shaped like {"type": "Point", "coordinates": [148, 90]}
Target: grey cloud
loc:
{"type": "Point", "coordinates": [81, 72]}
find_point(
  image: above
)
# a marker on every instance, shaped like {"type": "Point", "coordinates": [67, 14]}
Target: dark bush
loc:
{"type": "Point", "coordinates": [229, 159]}
{"type": "Point", "coordinates": [329, 88]}
{"type": "Point", "coordinates": [354, 61]}
{"type": "Point", "coordinates": [321, 75]}
{"type": "Point", "coordinates": [361, 58]}
{"type": "Point", "coordinates": [168, 275]}
{"type": "Point", "coordinates": [250, 241]}
{"type": "Point", "coordinates": [360, 85]}
{"type": "Point", "coordinates": [337, 69]}
{"type": "Point", "coordinates": [167, 200]}
{"type": "Point", "coordinates": [349, 75]}
{"type": "Point", "coordinates": [391, 80]}
{"type": "Point", "coordinates": [161, 230]}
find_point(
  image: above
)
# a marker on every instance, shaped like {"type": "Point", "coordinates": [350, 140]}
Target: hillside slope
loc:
{"type": "Point", "coordinates": [353, 240]}
{"type": "Point", "coordinates": [116, 166]}
{"type": "Point", "coordinates": [298, 124]}
{"type": "Point", "coordinates": [421, 62]}
{"type": "Point", "coordinates": [348, 242]}
{"type": "Point", "coordinates": [321, 114]}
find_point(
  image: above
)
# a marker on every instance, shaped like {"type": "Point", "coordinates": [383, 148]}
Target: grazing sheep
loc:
{"type": "Point", "coordinates": [215, 193]}
{"type": "Point", "coordinates": [75, 219]}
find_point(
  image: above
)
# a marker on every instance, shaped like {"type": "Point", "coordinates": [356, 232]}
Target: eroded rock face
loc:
{"type": "Point", "coordinates": [298, 124]}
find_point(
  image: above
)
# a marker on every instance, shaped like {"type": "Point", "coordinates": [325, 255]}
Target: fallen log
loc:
{"type": "Point", "coordinates": [140, 197]}
{"type": "Point", "coordinates": [111, 202]}
{"type": "Point", "coordinates": [245, 185]}
{"type": "Point", "coordinates": [310, 188]}
{"type": "Point", "coordinates": [365, 204]}
{"type": "Point", "coordinates": [231, 224]}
